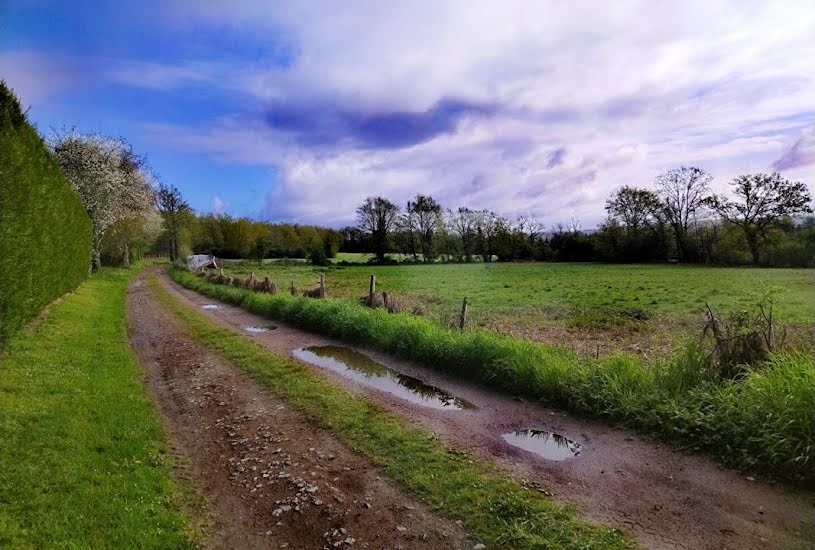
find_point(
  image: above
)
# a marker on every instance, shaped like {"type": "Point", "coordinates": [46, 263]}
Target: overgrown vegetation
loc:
{"type": "Point", "coordinates": [746, 338]}
{"type": "Point", "coordinates": [82, 461]}
{"type": "Point", "coordinates": [765, 421]}
{"type": "Point", "coordinates": [495, 510]}
{"type": "Point", "coordinates": [45, 235]}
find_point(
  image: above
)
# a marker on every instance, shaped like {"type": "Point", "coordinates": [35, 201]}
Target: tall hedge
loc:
{"type": "Point", "coordinates": [45, 234]}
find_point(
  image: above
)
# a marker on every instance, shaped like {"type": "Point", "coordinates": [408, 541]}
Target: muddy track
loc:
{"type": "Point", "coordinates": [665, 498]}
{"type": "Point", "coordinates": [271, 478]}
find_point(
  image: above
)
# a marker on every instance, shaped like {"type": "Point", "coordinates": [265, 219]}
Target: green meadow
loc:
{"type": "Point", "coordinates": [607, 305]}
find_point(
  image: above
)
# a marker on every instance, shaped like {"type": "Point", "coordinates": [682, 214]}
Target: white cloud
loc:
{"type": "Point", "coordinates": [626, 90]}
{"type": "Point", "coordinates": [218, 205]}
{"type": "Point", "coordinates": [36, 76]}
{"type": "Point", "coordinates": [164, 77]}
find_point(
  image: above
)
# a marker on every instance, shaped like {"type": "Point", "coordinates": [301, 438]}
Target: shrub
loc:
{"type": "Point", "coordinates": [45, 234]}
{"type": "Point", "coordinates": [318, 257]}
{"type": "Point", "coordinates": [744, 340]}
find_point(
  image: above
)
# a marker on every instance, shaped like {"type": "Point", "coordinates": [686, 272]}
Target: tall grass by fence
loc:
{"type": "Point", "coordinates": [45, 234]}
{"type": "Point", "coordinates": [763, 422]}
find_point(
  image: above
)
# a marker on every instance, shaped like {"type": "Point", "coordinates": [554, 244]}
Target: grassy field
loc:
{"type": "Point", "coordinates": [496, 510]}
{"type": "Point", "coordinates": [764, 421]}
{"type": "Point", "coordinates": [81, 452]}
{"type": "Point", "coordinates": [586, 306]}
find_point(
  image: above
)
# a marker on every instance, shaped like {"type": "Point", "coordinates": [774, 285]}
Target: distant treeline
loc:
{"type": "Point", "coordinates": [788, 244]}
{"type": "Point", "coordinates": [227, 237]}
{"type": "Point", "coordinates": [763, 222]}
{"type": "Point", "coordinates": [636, 230]}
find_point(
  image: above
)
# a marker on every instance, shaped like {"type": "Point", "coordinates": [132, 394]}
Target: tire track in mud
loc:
{"type": "Point", "coordinates": [665, 498]}
{"type": "Point", "coordinates": [271, 478]}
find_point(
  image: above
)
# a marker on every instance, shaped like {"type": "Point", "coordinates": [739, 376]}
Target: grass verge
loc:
{"type": "Point", "coordinates": [496, 510]}
{"type": "Point", "coordinates": [81, 450]}
{"type": "Point", "coordinates": [764, 422]}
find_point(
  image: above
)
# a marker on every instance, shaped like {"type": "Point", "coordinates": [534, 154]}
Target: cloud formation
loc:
{"type": "Point", "coordinates": [802, 153]}
{"type": "Point", "coordinates": [522, 107]}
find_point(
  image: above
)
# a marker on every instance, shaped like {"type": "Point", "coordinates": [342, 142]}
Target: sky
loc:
{"type": "Point", "coordinates": [297, 111]}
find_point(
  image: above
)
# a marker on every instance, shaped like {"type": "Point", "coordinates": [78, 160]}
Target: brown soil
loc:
{"type": "Point", "coordinates": [665, 498]}
{"type": "Point", "coordinates": [271, 478]}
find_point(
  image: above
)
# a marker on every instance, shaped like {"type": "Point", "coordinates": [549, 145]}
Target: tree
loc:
{"type": "Point", "coordinates": [408, 234]}
{"type": "Point", "coordinates": [171, 205]}
{"type": "Point", "coordinates": [131, 236]}
{"type": "Point", "coordinates": [426, 214]}
{"type": "Point", "coordinates": [761, 201]}
{"type": "Point", "coordinates": [633, 207]}
{"type": "Point", "coordinates": [635, 230]}
{"type": "Point", "coordinates": [463, 223]}
{"type": "Point", "coordinates": [112, 181]}
{"type": "Point", "coordinates": [683, 192]}
{"type": "Point", "coordinates": [332, 240]}
{"type": "Point", "coordinates": [352, 239]}
{"type": "Point", "coordinates": [528, 234]}
{"type": "Point", "coordinates": [310, 239]}
{"type": "Point", "coordinates": [377, 216]}
{"type": "Point", "coordinates": [487, 225]}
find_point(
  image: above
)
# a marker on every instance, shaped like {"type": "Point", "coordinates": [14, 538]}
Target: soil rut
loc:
{"type": "Point", "coordinates": [270, 477]}
{"type": "Point", "coordinates": [665, 498]}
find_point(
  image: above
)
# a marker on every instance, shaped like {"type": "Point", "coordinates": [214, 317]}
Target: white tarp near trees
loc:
{"type": "Point", "coordinates": [200, 261]}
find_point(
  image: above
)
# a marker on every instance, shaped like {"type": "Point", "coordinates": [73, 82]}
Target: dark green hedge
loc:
{"type": "Point", "coordinates": [45, 234]}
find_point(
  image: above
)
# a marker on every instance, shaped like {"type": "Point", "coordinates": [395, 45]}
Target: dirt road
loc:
{"type": "Point", "coordinates": [666, 499]}
{"type": "Point", "coordinates": [270, 477]}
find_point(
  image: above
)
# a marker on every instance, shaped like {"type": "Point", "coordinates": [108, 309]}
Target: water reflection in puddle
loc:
{"type": "Point", "coordinates": [259, 328]}
{"type": "Point", "coordinates": [363, 369]}
{"type": "Point", "coordinates": [549, 445]}
{"type": "Point", "coordinates": [211, 306]}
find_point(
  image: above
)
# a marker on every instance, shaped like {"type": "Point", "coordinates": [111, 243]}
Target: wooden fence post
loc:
{"type": "Point", "coordinates": [293, 288]}
{"type": "Point", "coordinates": [462, 320]}
{"type": "Point", "coordinates": [322, 285]}
{"type": "Point", "coordinates": [372, 291]}
{"type": "Point", "coordinates": [385, 300]}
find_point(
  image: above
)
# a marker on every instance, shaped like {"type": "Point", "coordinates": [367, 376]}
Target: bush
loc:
{"type": "Point", "coordinates": [45, 234]}
{"type": "Point", "coordinates": [318, 257]}
{"type": "Point", "coordinates": [679, 400]}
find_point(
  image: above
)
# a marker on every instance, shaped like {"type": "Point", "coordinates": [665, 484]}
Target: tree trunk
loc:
{"type": "Point", "coordinates": [680, 243]}
{"type": "Point", "coordinates": [96, 253]}
{"type": "Point", "coordinates": [173, 238]}
{"type": "Point", "coordinates": [752, 244]}
{"type": "Point", "coordinates": [126, 256]}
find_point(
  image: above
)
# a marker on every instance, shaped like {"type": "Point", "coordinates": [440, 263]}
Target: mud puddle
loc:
{"type": "Point", "coordinates": [667, 499]}
{"type": "Point", "coordinates": [549, 445]}
{"type": "Point", "coordinates": [210, 306]}
{"type": "Point", "coordinates": [260, 328]}
{"type": "Point", "coordinates": [363, 369]}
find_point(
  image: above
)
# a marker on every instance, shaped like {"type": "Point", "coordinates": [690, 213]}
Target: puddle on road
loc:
{"type": "Point", "coordinates": [260, 328]}
{"type": "Point", "coordinates": [363, 369]}
{"type": "Point", "coordinates": [549, 445]}
{"type": "Point", "coordinates": [211, 306]}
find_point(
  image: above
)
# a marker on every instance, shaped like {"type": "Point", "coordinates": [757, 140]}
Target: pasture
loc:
{"type": "Point", "coordinates": [590, 307]}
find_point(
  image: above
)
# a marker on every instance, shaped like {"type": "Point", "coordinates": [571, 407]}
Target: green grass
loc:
{"type": "Point", "coordinates": [671, 290]}
{"type": "Point", "coordinates": [764, 422]}
{"type": "Point", "coordinates": [81, 451]}
{"type": "Point", "coordinates": [589, 307]}
{"type": "Point", "coordinates": [496, 510]}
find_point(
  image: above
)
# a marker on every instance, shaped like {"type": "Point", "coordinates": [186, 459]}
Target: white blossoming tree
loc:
{"type": "Point", "coordinates": [112, 181]}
